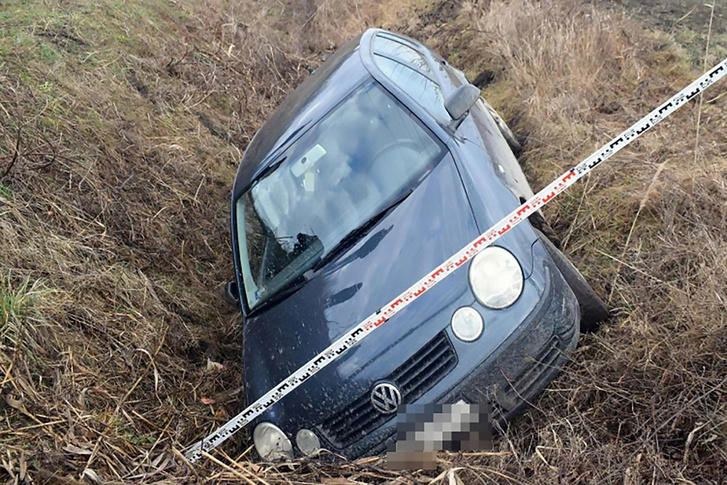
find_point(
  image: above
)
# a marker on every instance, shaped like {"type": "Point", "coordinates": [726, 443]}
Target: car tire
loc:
{"type": "Point", "coordinates": [505, 130]}
{"type": "Point", "coordinates": [539, 223]}
{"type": "Point", "coordinates": [593, 310]}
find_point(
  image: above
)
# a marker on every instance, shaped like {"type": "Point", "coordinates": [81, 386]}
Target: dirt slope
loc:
{"type": "Point", "coordinates": [121, 124]}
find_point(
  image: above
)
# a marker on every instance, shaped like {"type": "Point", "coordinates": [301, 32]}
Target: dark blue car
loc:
{"type": "Point", "coordinates": [378, 167]}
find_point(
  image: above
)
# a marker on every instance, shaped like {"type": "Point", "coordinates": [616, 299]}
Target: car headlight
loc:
{"type": "Point", "coordinates": [271, 443]}
{"type": "Point", "coordinates": [307, 442]}
{"type": "Point", "coordinates": [496, 278]}
{"type": "Point", "coordinates": [467, 324]}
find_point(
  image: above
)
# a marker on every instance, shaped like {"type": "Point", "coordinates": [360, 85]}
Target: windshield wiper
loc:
{"type": "Point", "coordinates": [270, 168]}
{"type": "Point", "coordinates": [294, 276]}
{"type": "Point", "coordinates": [360, 231]}
{"type": "Point", "coordinates": [280, 294]}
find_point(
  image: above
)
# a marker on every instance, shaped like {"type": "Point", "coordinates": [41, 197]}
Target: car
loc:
{"type": "Point", "coordinates": [383, 163]}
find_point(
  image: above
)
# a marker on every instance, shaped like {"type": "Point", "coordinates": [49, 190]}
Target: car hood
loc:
{"type": "Point", "coordinates": [420, 233]}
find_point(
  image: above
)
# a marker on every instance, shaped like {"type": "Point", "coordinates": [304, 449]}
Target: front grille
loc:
{"type": "Point", "coordinates": [413, 378]}
{"type": "Point", "coordinates": [515, 389]}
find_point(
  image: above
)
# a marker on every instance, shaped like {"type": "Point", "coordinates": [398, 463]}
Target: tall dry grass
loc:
{"type": "Point", "coordinates": [121, 127]}
{"type": "Point", "coordinates": [643, 400]}
{"type": "Point", "coordinates": [122, 124]}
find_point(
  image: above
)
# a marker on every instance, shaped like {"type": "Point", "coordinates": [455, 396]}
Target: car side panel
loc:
{"type": "Point", "coordinates": [507, 166]}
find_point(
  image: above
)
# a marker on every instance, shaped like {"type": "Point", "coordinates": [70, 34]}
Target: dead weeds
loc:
{"type": "Point", "coordinates": [122, 124]}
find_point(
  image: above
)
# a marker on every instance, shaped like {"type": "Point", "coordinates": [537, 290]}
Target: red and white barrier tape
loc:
{"type": "Point", "coordinates": [363, 329]}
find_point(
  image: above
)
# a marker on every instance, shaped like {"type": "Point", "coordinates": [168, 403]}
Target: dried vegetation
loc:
{"type": "Point", "coordinates": [121, 127]}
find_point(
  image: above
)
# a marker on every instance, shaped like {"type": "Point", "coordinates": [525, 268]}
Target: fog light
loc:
{"type": "Point", "coordinates": [307, 442]}
{"type": "Point", "coordinates": [271, 443]}
{"type": "Point", "coordinates": [467, 324]}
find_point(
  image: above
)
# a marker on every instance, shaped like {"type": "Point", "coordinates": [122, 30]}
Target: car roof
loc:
{"type": "Point", "coordinates": [340, 74]}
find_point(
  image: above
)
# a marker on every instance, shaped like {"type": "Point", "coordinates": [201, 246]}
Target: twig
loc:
{"type": "Point", "coordinates": [564, 243]}
{"type": "Point", "coordinates": [32, 426]}
{"type": "Point", "coordinates": [15, 155]}
{"type": "Point", "coordinates": [642, 203]}
{"type": "Point", "coordinates": [123, 400]}
{"type": "Point", "coordinates": [686, 15]}
{"type": "Point", "coordinates": [650, 438]}
{"type": "Point", "coordinates": [701, 95]}
{"type": "Point", "coordinates": [228, 468]}
{"type": "Point", "coordinates": [173, 63]}
{"type": "Point", "coordinates": [185, 461]}
{"type": "Point", "coordinates": [640, 271]}
{"type": "Point", "coordinates": [690, 438]}
{"type": "Point", "coordinates": [244, 470]}
{"type": "Point", "coordinates": [710, 101]}
{"type": "Point", "coordinates": [50, 145]}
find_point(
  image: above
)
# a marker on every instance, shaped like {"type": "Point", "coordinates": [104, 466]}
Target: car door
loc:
{"type": "Point", "coordinates": [506, 165]}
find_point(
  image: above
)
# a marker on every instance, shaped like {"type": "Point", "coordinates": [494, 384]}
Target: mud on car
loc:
{"type": "Point", "coordinates": [378, 167]}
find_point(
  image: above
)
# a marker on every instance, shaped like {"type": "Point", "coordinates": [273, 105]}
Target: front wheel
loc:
{"type": "Point", "coordinates": [593, 309]}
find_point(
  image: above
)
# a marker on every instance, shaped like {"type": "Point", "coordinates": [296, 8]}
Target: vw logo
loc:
{"type": "Point", "coordinates": [385, 398]}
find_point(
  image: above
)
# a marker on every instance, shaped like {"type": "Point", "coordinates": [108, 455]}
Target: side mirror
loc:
{"type": "Point", "coordinates": [230, 293]}
{"type": "Point", "coordinates": [459, 103]}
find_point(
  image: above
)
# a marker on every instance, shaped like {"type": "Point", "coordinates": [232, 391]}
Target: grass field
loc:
{"type": "Point", "coordinates": [121, 125]}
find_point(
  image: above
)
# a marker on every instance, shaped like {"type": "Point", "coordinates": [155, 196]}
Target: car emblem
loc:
{"type": "Point", "coordinates": [385, 398]}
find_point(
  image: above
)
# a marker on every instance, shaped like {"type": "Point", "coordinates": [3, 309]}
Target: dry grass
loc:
{"type": "Point", "coordinates": [122, 124]}
{"type": "Point", "coordinates": [644, 398]}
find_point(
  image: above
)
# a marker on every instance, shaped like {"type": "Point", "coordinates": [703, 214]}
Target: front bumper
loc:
{"type": "Point", "coordinates": [515, 373]}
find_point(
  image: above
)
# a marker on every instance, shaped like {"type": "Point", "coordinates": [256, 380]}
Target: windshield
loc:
{"type": "Point", "coordinates": [367, 153]}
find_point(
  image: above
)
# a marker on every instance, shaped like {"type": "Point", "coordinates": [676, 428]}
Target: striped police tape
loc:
{"type": "Point", "coordinates": [381, 316]}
